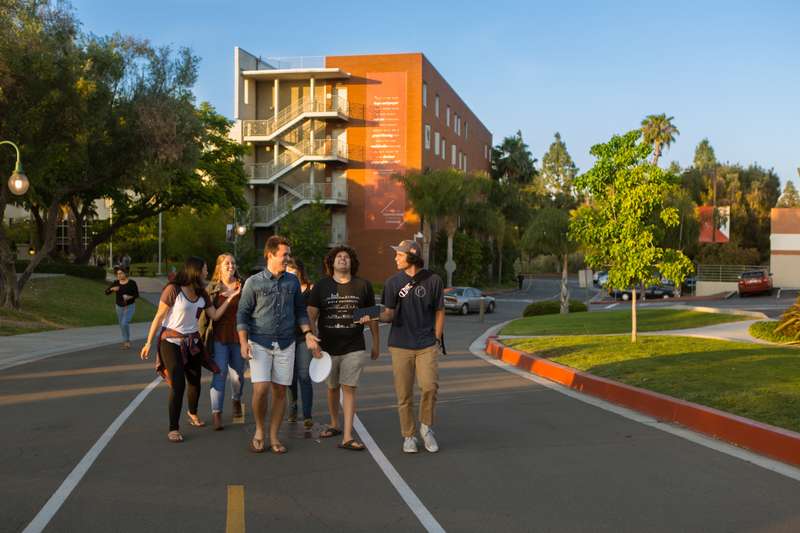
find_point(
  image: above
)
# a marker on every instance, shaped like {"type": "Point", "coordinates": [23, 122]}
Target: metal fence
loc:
{"type": "Point", "coordinates": [725, 273]}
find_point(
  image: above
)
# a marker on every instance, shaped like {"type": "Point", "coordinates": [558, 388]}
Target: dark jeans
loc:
{"type": "Point", "coordinates": [181, 376]}
{"type": "Point", "coordinates": [302, 360]}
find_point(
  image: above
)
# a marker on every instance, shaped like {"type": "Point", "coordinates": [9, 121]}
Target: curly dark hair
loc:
{"type": "Point", "coordinates": [328, 262]}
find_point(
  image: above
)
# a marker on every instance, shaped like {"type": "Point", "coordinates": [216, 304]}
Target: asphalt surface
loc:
{"type": "Point", "coordinates": [515, 456]}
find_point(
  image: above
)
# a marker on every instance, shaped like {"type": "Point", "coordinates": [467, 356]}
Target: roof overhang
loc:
{"type": "Point", "coordinates": [296, 74]}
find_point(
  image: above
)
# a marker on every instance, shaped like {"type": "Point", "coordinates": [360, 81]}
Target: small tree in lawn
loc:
{"type": "Point", "coordinates": [617, 229]}
{"type": "Point", "coordinates": [548, 234]}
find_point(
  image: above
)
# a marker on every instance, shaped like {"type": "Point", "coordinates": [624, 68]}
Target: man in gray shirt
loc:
{"type": "Point", "coordinates": [271, 306]}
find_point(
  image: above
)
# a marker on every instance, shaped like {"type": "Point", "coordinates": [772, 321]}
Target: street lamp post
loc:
{"type": "Point", "coordinates": [18, 182]}
{"type": "Point", "coordinates": [238, 231]}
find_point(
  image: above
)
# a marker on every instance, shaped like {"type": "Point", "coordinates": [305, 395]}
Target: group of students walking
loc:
{"type": "Point", "coordinates": [278, 321]}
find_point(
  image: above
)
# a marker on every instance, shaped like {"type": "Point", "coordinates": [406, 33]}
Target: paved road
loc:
{"type": "Point", "coordinates": [516, 456]}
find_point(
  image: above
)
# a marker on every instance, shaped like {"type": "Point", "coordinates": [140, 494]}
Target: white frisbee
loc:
{"type": "Point", "coordinates": [320, 368]}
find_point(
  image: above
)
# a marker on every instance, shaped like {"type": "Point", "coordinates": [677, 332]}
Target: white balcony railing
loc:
{"type": "Point", "coordinates": [303, 194]}
{"type": "Point", "coordinates": [331, 149]}
{"type": "Point", "coordinates": [266, 127]}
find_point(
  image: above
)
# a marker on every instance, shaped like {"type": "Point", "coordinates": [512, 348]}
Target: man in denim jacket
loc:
{"type": "Point", "coordinates": [271, 306]}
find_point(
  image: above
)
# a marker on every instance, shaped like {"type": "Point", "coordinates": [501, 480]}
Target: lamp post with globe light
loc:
{"type": "Point", "coordinates": [18, 182]}
{"type": "Point", "coordinates": [239, 231]}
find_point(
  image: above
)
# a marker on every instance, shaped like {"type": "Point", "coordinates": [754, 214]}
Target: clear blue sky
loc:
{"type": "Point", "coordinates": [726, 70]}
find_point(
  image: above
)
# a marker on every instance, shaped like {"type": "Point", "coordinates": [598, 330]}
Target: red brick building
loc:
{"type": "Point", "coordinates": [337, 128]}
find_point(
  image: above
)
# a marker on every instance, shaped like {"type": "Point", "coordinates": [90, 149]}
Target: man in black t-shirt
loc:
{"type": "Point", "coordinates": [414, 304]}
{"type": "Point", "coordinates": [330, 311]}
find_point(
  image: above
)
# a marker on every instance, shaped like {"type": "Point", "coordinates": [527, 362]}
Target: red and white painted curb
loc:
{"type": "Point", "coordinates": [774, 442]}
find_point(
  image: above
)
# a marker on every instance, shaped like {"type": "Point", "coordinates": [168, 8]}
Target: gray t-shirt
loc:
{"type": "Point", "coordinates": [414, 324]}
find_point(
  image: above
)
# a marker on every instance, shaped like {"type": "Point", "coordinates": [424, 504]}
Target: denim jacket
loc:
{"type": "Point", "coordinates": [270, 308]}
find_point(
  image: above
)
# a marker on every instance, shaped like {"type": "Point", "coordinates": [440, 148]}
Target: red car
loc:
{"type": "Point", "coordinates": [754, 282]}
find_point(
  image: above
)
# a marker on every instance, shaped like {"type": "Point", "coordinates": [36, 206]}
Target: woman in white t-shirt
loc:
{"type": "Point", "coordinates": [180, 348]}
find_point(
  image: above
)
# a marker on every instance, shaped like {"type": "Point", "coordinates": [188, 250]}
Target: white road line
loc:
{"type": "Point", "coordinates": [612, 306]}
{"type": "Point", "coordinates": [58, 498]}
{"type": "Point", "coordinates": [414, 503]}
{"type": "Point", "coordinates": [477, 349]}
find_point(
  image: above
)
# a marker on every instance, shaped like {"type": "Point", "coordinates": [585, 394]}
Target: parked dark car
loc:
{"type": "Point", "coordinates": [662, 290]}
{"type": "Point", "coordinates": [754, 282]}
{"type": "Point", "coordinates": [465, 300]}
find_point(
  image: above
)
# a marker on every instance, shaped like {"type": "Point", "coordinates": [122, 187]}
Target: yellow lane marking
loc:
{"type": "Point", "coordinates": [235, 520]}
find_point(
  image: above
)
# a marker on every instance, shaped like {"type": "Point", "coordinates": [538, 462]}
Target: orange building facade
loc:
{"type": "Point", "coordinates": [337, 129]}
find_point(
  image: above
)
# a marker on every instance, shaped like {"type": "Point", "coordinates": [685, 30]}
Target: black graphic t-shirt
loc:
{"type": "Point", "coordinates": [413, 327]}
{"type": "Point", "coordinates": [336, 303]}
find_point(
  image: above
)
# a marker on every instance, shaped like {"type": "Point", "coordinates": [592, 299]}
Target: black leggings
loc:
{"type": "Point", "coordinates": [171, 357]}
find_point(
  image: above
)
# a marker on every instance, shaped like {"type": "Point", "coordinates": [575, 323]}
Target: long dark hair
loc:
{"type": "Point", "coordinates": [297, 264]}
{"type": "Point", "coordinates": [191, 273]}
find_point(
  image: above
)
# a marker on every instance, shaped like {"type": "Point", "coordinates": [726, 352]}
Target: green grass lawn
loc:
{"type": "Point", "coordinates": [614, 322]}
{"type": "Point", "coordinates": [65, 302]}
{"type": "Point", "coordinates": [755, 381]}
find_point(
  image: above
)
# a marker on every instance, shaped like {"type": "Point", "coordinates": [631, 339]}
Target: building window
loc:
{"type": "Point", "coordinates": [465, 162]}
{"type": "Point", "coordinates": [444, 149]}
{"type": "Point", "coordinates": [436, 143]}
{"type": "Point", "coordinates": [427, 137]}
{"type": "Point", "coordinates": [466, 130]}
{"type": "Point", "coordinates": [458, 124]}
{"type": "Point", "coordinates": [447, 120]}
{"type": "Point", "coordinates": [460, 160]}
{"type": "Point", "coordinates": [453, 154]}
{"type": "Point", "coordinates": [436, 105]}
{"type": "Point", "coordinates": [485, 152]}
{"type": "Point", "coordinates": [424, 94]}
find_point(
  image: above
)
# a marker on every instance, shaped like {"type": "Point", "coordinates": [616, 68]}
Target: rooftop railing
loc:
{"type": "Point", "coordinates": [295, 62]}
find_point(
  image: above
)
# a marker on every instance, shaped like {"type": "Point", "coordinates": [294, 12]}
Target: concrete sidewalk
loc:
{"type": "Point", "coordinates": [20, 349]}
{"type": "Point", "coordinates": [730, 331]}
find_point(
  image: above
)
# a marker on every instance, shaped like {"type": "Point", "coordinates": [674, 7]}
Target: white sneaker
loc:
{"type": "Point", "coordinates": [410, 445]}
{"type": "Point", "coordinates": [427, 436]}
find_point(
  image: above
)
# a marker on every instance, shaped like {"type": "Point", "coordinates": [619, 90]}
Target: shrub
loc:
{"type": "Point", "coordinates": [765, 330]}
{"type": "Point", "coordinates": [52, 267]}
{"type": "Point", "coordinates": [553, 307]}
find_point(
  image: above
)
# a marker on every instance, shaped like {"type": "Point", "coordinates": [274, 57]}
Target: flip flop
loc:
{"type": "Point", "coordinates": [329, 432]}
{"type": "Point", "coordinates": [353, 445]}
{"type": "Point", "coordinates": [278, 448]}
{"type": "Point", "coordinates": [257, 445]}
{"type": "Point", "coordinates": [195, 421]}
{"type": "Point", "coordinates": [175, 436]}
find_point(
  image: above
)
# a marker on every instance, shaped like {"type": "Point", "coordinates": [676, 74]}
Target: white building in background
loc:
{"type": "Point", "coordinates": [784, 255]}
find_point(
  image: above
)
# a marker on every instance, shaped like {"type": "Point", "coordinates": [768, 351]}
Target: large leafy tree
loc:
{"type": "Point", "coordinates": [548, 234]}
{"type": "Point", "coordinates": [558, 169]}
{"type": "Point", "coordinates": [659, 131]}
{"type": "Point", "coordinates": [308, 231]}
{"type": "Point", "coordinates": [704, 158]}
{"type": "Point", "coordinates": [617, 230]}
{"type": "Point", "coordinates": [102, 118]}
{"type": "Point", "coordinates": [789, 198]}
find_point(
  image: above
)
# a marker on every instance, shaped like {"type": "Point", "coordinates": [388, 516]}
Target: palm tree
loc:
{"type": "Point", "coordinates": [512, 161]}
{"type": "Point", "coordinates": [440, 196]}
{"type": "Point", "coordinates": [659, 131]}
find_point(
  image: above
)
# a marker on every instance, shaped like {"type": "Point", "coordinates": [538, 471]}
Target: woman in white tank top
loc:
{"type": "Point", "coordinates": [180, 349]}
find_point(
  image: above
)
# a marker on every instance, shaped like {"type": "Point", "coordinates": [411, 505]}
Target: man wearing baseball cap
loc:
{"type": "Point", "coordinates": [414, 304]}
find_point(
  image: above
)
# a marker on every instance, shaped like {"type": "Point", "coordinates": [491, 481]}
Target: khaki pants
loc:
{"type": "Point", "coordinates": [407, 364]}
